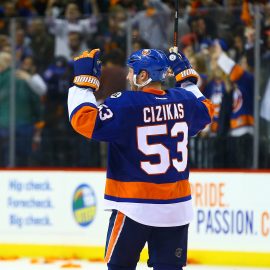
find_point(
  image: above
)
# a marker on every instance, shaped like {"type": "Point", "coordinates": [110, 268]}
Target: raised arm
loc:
{"type": "Point", "coordinates": [186, 78]}
{"type": "Point", "coordinates": [82, 105]}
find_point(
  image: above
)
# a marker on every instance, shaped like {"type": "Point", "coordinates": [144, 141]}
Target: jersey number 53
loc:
{"type": "Point", "coordinates": [160, 149]}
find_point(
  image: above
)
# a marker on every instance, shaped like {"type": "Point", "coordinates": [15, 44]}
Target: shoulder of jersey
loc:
{"type": "Point", "coordinates": [116, 95]}
{"type": "Point", "coordinates": [181, 92]}
{"type": "Point", "coordinates": [121, 97]}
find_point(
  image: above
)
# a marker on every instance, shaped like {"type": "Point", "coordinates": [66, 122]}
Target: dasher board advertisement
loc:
{"type": "Point", "coordinates": [54, 207]}
{"type": "Point", "coordinates": [60, 213]}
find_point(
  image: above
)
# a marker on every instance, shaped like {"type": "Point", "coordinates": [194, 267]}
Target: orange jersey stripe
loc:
{"type": "Point", "coordinates": [243, 120]}
{"type": "Point", "coordinates": [210, 107]}
{"type": "Point", "coordinates": [236, 73]}
{"type": "Point", "coordinates": [117, 228]}
{"type": "Point", "coordinates": [144, 190]}
{"type": "Point", "coordinates": [154, 91]}
{"type": "Point", "coordinates": [83, 121]}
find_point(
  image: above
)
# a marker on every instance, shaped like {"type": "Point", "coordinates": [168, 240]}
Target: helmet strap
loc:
{"type": "Point", "coordinates": [142, 84]}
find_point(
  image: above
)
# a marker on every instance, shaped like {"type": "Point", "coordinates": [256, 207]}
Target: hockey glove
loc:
{"type": "Point", "coordinates": [182, 69]}
{"type": "Point", "coordinates": [87, 70]}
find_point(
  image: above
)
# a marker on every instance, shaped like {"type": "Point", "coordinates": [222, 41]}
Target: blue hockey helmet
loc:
{"type": "Point", "coordinates": [153, 61]}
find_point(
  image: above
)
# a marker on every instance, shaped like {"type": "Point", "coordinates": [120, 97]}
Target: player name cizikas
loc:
{"type": "Point", "coordinates": [163, 112]}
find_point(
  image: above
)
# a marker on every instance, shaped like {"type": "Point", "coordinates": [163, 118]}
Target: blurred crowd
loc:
{"type": "Point", "coordinates": [217, 36]}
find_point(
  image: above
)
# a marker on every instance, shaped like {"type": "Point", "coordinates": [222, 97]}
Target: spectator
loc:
{"type": "Point", "coordinates": [10, 9]}
{"type": "Point", "coordinates": [114, 33]}
{"type": "Point", "coordinates": [7, 11]}
{"type": "Point", "coordinates": [28, 73]}
{"type": "Point", "coordinates": [54, 8]}
{"type": "Point", "coordinates": [75, 44]}
{"type": "Point", "coordinates": [41, 44]}
{"type": "Point", "coordinates": [3, 41]}
{"type": "Point", "coordinates": [215, 90]}
{"type": "Point", "coordinates": [249, 45]}
{"type": "Point", "coordinates": [18, 8]}
{"type": "Point", "coordinates": [27, 114]}
{"type": "Point", "coordinates": [204, 30]}
{"type": "Point", "coordinates": [56, 142]}
{"type": "Point", "coordinates": [25, 8]}
{"type": "Point", "coordinates": [238, 50]}
{"type": "Point", "coordinates": [7, 48]}
{"type": "Point", "coordinates": [155, 16]}
{"type": "Point", "coordinates": [60, 146]}
{"type": "Point", "coordinates": [218, 90]}
{"type": "Point", "coordinates": [241, 119]}
{"type": "Point", "coordinates": [22, 46]}
{"type": "Point", "coordinates": [71, 23]}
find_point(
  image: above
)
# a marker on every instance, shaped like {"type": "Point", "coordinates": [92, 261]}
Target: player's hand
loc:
{"type": "Point", "coordinates": [87, 69]}
{"type": "Point", "coordinates": [181, 67]}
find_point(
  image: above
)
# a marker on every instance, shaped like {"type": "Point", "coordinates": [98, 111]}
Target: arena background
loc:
{"type": "Point", "coordinates": [52, 180]}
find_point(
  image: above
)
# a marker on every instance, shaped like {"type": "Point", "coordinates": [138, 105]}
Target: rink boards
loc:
{"type": "Point", "coordinates": [55, 213]}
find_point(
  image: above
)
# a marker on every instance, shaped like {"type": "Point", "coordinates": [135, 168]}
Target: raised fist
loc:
{"type": "Point", "coordinates": [181, 67]}
{"type": "Point", "coordinates": [87, 69]}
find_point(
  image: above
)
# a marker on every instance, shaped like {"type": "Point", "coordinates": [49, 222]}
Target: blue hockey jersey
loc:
{"type": "Point", "coordinates": [241, 120]}
{"type": "Point", "coordinates": [147, 132]}
{"type": "Point", "coordinates": [243, 95]}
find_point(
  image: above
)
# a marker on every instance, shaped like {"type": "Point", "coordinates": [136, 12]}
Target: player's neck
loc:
{"type": "Point", "coordinates": [155, 85]}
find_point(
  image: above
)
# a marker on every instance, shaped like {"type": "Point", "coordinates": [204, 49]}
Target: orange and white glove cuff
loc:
{"type": "Point", "coordinates": [186, 74]}
{"type": "Point", "coordinates": [87, 81]}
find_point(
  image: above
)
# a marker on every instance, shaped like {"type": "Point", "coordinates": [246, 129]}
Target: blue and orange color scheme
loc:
{"type": "Point", "coordinates": [242, 111]}
{"type": "Point", "coordinates": [147, 132]}
{"type": "Point", "coordinates": [242, 96]}
{"type": "Point", "coordinates": [114, 235]}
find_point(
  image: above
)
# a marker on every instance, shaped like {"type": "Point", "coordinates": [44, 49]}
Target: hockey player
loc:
{"type": "Point", "coordinates": [147, 129]}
